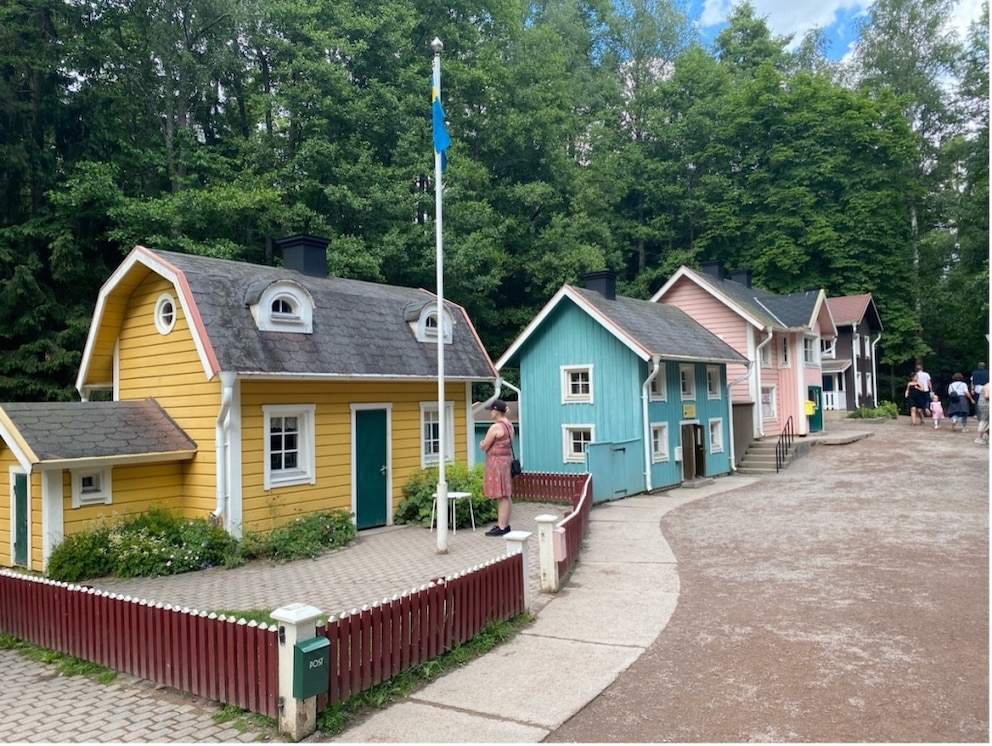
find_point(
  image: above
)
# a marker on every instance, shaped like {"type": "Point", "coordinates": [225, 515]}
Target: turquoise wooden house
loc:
{"type": "Point", "coordinates": [633, 392]}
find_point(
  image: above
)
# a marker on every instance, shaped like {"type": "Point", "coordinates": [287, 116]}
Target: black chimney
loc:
{"type": "Point", "coordinates": [304, 253]}
{"type": "Point", "coordinates": [713, 268]}
{"type": "Point", "coordinates": [743, 276]}
{"type": "Point", "coordinates": [603, 282]}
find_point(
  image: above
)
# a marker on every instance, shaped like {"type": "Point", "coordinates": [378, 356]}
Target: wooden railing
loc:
{"type": "Point", "coordinates": [237, 662]}
{"type": "Point", "coordinates": [215, 657]}
{"type": "Point", "coordinates": [784, 444]}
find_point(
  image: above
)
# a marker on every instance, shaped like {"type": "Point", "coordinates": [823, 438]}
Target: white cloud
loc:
{"type": "Point", "coordinates": [837, 17]}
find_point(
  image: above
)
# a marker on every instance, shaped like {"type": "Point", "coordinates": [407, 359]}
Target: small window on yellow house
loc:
{"type": "Point", "coordinates": [165, 313]}
{"type": "Point", "coordinates": [90, 487]}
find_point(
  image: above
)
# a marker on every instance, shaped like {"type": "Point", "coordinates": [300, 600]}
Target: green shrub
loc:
{"type": "Point", "coordinates": [161, 542]}
{"type": "Point", "coordinates": [82, 555]}
{"type": "Point", "coordinates": [308, 536]}
{"type": "Point", "coordinates": [884, 409]}
{"type": "Point", "coordinates": [418, 496]}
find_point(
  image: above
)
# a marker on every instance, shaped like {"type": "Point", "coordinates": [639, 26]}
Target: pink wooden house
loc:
{"type": "Point", "coordinates": [781, 337]}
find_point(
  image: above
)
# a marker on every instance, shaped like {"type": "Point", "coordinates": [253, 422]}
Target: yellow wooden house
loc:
{"type": "Point", "coordinates": [247, 393]}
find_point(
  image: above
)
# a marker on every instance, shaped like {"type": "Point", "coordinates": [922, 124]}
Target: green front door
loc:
{"type": "Point", "coordinates": [21, 519]}
{"type": "Point", "coordinates": [815, 394]}
{"type": "Point", "coordinates": [371, 468]}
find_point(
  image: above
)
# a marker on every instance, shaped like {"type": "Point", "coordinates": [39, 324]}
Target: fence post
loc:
{"type": "Point", "coordinates": [516, 543]}
{"type": "Point", "coordinates": [297, 623]}
{"type": "Point", "coordinates": [546, 553]}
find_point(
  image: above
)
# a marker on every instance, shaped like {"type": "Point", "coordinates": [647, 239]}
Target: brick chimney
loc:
{"type": "Point", "coordinates": [603, 282]}
{"type": "Point", "coordinates": [304, 253]}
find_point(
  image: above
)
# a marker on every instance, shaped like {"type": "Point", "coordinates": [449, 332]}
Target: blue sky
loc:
{"type": "Point", "coordinates": [837, 17]}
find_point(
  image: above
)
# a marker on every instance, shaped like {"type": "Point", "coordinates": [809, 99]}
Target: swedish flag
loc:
{"type": "Point", "coordinates": [441, 137]}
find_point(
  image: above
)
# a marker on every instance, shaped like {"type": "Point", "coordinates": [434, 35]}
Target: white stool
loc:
{"type": "Point", "coordinates": [452, 498]}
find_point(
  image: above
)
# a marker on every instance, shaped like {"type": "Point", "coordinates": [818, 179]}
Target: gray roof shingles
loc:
{"type": "Point", "coordinates": [793, 310]}
{"type": "Point", "coordinates": [58, 431]}
{"type": "Point", "coordinates": [662, 329]}
{"type": "Point", "coordinates": [359, 328]}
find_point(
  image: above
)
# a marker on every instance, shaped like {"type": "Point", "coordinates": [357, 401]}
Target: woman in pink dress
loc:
{"type": "Point", "coordinates": [497, 482]}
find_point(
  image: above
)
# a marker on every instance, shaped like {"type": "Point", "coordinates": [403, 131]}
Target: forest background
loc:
{"type": "Point", "coordinates": [587, 135]}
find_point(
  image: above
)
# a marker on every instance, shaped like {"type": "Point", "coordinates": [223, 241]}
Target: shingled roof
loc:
{"type": "Point", "coordinates": [58, 433]}
{"type": "Point", "coordinates": [793, 310]}
{"type": "Point", "coordinates": [661, 329]}
{"type": "Point", "coordinates": [650, 329]}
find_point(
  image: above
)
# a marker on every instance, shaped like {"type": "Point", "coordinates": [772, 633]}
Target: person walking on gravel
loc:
{"type": "Point", "coordinates": [960, 402]}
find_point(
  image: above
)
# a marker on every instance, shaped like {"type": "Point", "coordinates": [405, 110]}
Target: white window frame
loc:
{"type": "Point", "coordinates": [811, 351]}
{"type": "Point", "coordinates": [659, 385]}
{"type": "Point", "coordinates": [713, 384]}
{"type": "Point", "coordinates": [165, 313]}
{"type": "Point", "coordinates": [771, 411]}
{"type": "Point", "coordinates": [659, 442]}
{"type": "Point", "coordinates": [687, 381]}
{"type": "Point", "coordinates": [305, 470]}
{"type": "Point", "coordinates": [567, 397]}
{"type": "Point", "coordinates": [569, 455]}
{"type": "Point", "coordinates": [766, 356]}
{"type": "Point", "coordinates": [716, 429]}
{"type": "Point", "coordinates": [783, 360]}
{"type": "Point", "coordinates": [426, 330]}
{"type": "Point", "coordinates": [297, 297]}
{"type": "Point", "coordinates": [428, 417]}
{"type": "Point", "coordinates": [91, 487]}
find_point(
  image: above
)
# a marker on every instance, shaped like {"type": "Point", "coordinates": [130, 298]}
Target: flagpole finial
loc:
{"type": "Point", "coordinates": [437, 46]}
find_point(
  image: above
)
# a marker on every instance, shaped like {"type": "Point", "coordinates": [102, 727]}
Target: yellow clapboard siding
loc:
{"type": "Point", "coordinates": [333, 417]}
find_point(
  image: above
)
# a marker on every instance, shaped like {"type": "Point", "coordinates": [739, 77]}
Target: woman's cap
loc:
{"type": "Point", "coordinates": [498, 404]}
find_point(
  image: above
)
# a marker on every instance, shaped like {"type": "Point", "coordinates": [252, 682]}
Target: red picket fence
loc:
{"type": "Point", "coordinates": [214, 657]}
{"type": "Point", "coordinates": [237, 662]}
{"type": "Point", "coordinates": [574, 489]}
{"type": "Point", "coordinates": [383, 640]}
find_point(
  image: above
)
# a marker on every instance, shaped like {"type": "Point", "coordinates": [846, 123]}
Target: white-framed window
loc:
{"type": "Point", "coordinates": [576, 439]}
{"type": "Point", "coordinates": [828, 349]}
{"type": "Point", "coordinates": [282, 306]}
{"type": "Point", "coordinates": [165, 313]}
{"type": "Point", "coordinates": [857, 344]}
{"type": "Point", "coordinates": [430, 429]}
{"type": "Point", "coordinates": [713, 381]}
{"type": "Point", "coordinates": [659, 442]}
{"type": "Point", "coordinates": [766, 356]}
{"type": "Point", "coordinates": [427, 326]}
{"type": "Point", "coordinates": [687, 379]}
{"type": "Point", "coordinates": [783, 359]}
{"type": "Point", "coordinates": [811, 353]}
{"type": "Point", "coordinates": [659, 385]}
{"type": "Point", "coordinates": [91, 487]}
{"type": "Point", "coordinates": [290, 444]}
{"type": "Point", "coordinates": [716, 435]}
{"type": "Point", "coordinates": [576, 384]}
{"type": "Point", "coordinates": [768, 408]}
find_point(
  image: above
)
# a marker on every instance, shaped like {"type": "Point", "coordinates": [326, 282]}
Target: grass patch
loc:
{"type": "Point", "coordinates": [334, 719]}
{"type": "Point", "coordinates": [67, 665]}
{"type": "Point", "coordinates": [241, 719]}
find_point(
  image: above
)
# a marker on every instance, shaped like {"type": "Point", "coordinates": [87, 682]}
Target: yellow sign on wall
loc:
{"type": "Point", "coordinates": [689, 411]}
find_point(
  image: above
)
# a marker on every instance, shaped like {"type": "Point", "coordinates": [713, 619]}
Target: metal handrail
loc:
{"type": "Point", "coordinates": [784, 444]}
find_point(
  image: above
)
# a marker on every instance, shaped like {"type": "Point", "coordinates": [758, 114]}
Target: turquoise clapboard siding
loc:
{"type": "Point", "coordinates": [569, 336]}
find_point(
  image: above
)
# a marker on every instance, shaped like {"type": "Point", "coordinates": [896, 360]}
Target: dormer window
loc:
{"type": "Point", "coordinates": [283, 306]}
{"type": "Point", "coordinates": [423, 321]}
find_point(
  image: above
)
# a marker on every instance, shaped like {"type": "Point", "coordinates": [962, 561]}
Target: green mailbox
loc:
{"type": "Point", "coordinates": [311, 667]}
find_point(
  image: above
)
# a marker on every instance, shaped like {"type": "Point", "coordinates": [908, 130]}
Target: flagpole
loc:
{"type": "Point", "coordinates": [442, 484]}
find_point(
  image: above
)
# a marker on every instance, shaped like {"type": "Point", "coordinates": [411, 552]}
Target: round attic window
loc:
{"type": "Point", "coordinates": [165, 313]}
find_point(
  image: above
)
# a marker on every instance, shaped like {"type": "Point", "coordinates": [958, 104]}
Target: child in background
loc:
{"type": "Point", "coordinates": [936, 410]}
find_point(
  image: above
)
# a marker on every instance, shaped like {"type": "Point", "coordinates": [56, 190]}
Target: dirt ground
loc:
{"type": "Point", "coordinates": [845, 599]}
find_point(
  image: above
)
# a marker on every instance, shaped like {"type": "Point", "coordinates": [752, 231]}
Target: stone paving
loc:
{"type": "Point", "coordinates": [38, 705]}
